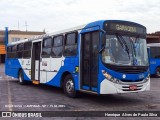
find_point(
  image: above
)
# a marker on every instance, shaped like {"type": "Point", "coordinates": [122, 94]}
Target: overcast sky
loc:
{"type": "Point", "coordinates": [54, 15]}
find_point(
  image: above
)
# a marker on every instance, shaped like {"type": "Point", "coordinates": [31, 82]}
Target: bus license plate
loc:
{"type": "Point", "coordinates": [133, 87]}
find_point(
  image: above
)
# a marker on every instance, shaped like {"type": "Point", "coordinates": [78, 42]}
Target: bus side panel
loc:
{"type": "Point", "coordinates": [12, 67]}
{"type": "Point", "coordinates": [70, 64]}
{"type": "Point", "coordinates": [154, 63]}
{"type": "Point", "coordinates": [56, 81]}
{"type": "Point", "coordinates": [26, 66]}
{"type": "Point", "coordinates": [68, 67]}
{"type": "Point", "coordinates": [25, 76]}
{"type": "Point", "coordinates": [15, 68]}
{"type": "Point", "coordinates": [8, 68]}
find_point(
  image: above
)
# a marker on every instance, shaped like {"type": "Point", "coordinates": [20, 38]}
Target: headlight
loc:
{"type": "Point", "coordinates": [147, 78]}
{"type": "Point", "coordinates": [109, 77]}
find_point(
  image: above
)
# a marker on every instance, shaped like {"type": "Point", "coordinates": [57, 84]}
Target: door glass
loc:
{"type": "Point", "coordinates": [86, 60]}
{"type": "Point", "coordinates": [94, 57]}
{"type": "Point", "coordinates": [90, 43]}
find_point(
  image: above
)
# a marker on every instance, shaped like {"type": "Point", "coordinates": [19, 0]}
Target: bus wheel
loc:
{"type": "Point", "coordinates": [20, 78]}
{"type": "Point", "coordinates": [158, 72]}
{"type": "Point", "coordinates": [69, 87]}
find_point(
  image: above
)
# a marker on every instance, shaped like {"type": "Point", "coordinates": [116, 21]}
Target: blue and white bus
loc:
{"type": "Point", "coordinates": [154, 58]}
{"type": "Point", "coordinates": [102, 57]}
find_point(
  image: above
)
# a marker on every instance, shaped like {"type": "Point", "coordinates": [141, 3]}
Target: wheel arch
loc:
{"type": "Point", "coordinates": [63, 76]}
{"type": "Point", "coordinates": [19, 71]}
{"type": "Point", "coordinates": [158, 67]}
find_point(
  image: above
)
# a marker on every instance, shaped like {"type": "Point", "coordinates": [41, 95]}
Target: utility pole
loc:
{"type": "Point", "coordinates": [18, 25]}
{"type": "Point", "coordinates": [26, 25]}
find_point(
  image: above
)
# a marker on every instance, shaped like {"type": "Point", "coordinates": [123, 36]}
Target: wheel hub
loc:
{"type": "Point", "coordinates": [70, 86]}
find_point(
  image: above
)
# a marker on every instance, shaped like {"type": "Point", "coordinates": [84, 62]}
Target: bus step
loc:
{"type": "Point", "coordinates": [35, 82]}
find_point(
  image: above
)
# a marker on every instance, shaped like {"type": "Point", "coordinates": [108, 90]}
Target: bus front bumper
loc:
{"type": "Point", "coordinates": [108, 87]}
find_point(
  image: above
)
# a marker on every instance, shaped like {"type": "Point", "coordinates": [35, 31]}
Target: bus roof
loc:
{"type": "Point", "coordinates": [153, 45]}
{"type": "Point", "coordinates": [91, 24]}
{"type": "Point", "coordinates": [50, 34]}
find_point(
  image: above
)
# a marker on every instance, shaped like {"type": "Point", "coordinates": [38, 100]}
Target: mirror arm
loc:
{"type": "Point", "coordinates": [101, 30]}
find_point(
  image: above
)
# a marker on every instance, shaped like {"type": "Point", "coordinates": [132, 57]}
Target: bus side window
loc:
{"type": "Point", "coordinates": [70, 48]}
{"type": "Point", "coordinates": [9, 52]}
{"type": "Point", "coordinates": [46, 47]}
{"type": "Point", "coordinates": [57, 46]}
{"type": "Point", "coordinates": [27, 50]}
{"type": "Point", "coordinates": [154, 52]}
{"type": "Point", "coordinates": [20, 50]}
{"type": "Point", "coordinates": [14, 49]}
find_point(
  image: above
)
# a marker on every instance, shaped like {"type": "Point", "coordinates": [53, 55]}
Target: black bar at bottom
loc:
{"type": "Point", "coordinates": [79, 113]}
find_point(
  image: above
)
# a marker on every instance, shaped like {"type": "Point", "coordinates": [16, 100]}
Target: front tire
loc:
{"type": "Point", "coordinates": [69, 86]}
{"type": "Point", "coordinates": [158, 72]}
{"type": "Point", "coordinates": [21, 78]}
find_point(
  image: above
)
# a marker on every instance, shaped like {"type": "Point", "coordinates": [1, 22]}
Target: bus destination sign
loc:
{"type": "Point", "coordinates": [125, 27]}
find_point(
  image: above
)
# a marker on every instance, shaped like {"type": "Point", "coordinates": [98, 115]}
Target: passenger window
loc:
{"type": "Point", "coordinates": [14, 48]}
{"type": "Point", "coordinates": [27, 45]}
{"type": "Point", "coordinates": [20, 50]}
{"type": "Point", "coordinates": [27, 50]}
{"type": "Point", "coordinates": [46, 49]}
{"type": "Point", "coordinates": [57, 46]}
{"type": "Point", "coordinates": [20, 47]}
{"type": "Point", "coordinates": [13, 53]}
{"type": "Point", "coordinates": [9, 52]}
{"type": "Point", "coordinates": [155, 53]}
{"type": "Point", "coordinates": [47, 42]}
{"type": "Point", "coordinates": [9, 49]}
{"type": "Point", "coordinates": [70, 48]}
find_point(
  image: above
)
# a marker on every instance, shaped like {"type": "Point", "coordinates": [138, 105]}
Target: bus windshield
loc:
{"type": "Point", "coordinates": [125, 50]}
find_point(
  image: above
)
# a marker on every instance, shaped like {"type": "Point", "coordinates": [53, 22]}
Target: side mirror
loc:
{"type": "Point", "coordinates": [103, 42]}
{"type": "Point", "coordinates": [103, 37]}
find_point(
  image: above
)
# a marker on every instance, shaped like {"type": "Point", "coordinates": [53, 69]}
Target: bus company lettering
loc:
{"type": "Point", "coordinates": [126, 28]}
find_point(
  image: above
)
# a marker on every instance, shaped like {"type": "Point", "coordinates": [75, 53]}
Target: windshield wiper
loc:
{"type": "Point", "coordinates": [102, 49]}
{"type": "Point", "coordinates": [133, 44]}
{"type": "Point", "coordinates": [123, 44]}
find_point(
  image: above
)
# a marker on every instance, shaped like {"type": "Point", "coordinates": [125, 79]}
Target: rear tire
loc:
{"type": "Point", "coordinates": [21, 78]}
{"type": "Point", "coordinates": [69, 87]}
{"type": "Point", "coordinates": [158, 72]}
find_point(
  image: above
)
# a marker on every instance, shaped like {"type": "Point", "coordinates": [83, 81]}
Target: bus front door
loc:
{"type": "Point", "coordinates": [35, 66]}
{"type": "Point", "coordinates": [89, 61]}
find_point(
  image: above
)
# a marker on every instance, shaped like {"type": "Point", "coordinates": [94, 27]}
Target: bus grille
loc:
{"type": "Point", "coordinates": [126, 88]}
{"type": "Point", "coordinates": [131, 71]}
{"type": "Point", "coordinates": [128, 69]}
{"type": "Point", "coordinates": [139, 80]}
